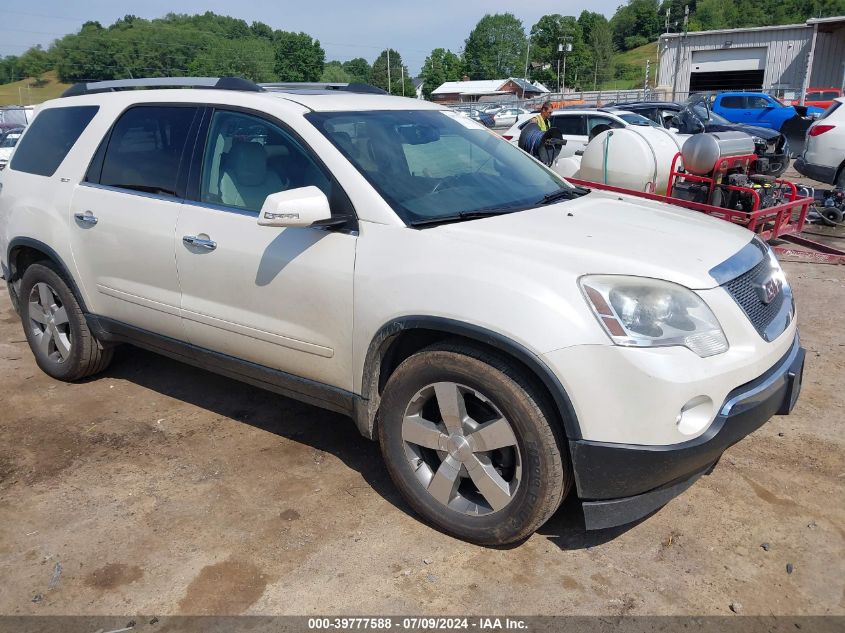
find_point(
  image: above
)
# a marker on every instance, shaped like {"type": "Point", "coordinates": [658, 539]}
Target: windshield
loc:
{"type": "Point", "coordinates": [636, 119]}
{"type": "Point", "coordinates": [702, 112]}
{"type": "Point", "coordinates": [10, 141]}
{"type": "Point", "coordinates": [430, 164]}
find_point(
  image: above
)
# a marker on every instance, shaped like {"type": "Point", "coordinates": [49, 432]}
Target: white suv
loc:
{"type": "Point", "coordinates": [579, 126]}
{"type": "Point", "coordinates": [824, 149]}
{"type": "Point", "coordinates": [506, 337]}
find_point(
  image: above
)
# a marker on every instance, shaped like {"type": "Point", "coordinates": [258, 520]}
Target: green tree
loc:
{"type": "Point", "coordinates": [397, 71]}
{"type": "Point", "coordinates": [333, 72]}
{"type": "Point", "coordinates": [358, 70]}
{"type": "Point", "coordinates": [495, 49]}
{"type": "Point", "coordinates": [298, 57]}
{"type": "Point", "coordinates": [550, 32]}
{"type": "Point", "coordinates": [252, 58]}
{"type": "Point", "coordinates": [601, 46]}
{"type": "Point", "coordinates": [440, 66]}
{"type": "Point", "coordinates": [35, 62]}
{"type": "Point", "coordinates": [636, 19]}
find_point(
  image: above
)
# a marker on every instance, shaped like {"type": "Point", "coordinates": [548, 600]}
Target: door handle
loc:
{"type": "Point", "coordinates": [193, 240]}
{"type": "Point", "coordinates": [86, 218]}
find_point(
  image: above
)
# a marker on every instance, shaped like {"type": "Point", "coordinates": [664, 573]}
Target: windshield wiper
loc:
{"type": "Point", "coordinates": [460, 217]}
{"type": "Point", "coordinates": [564, 194]}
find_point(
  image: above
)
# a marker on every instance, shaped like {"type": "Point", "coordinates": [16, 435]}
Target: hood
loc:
{"type": "Point", "coordinates": [764, 133]}
{"type": "Point", "coordinates": [603, 233]}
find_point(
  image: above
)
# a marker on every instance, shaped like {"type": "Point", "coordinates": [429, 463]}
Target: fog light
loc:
{"type": "Point", "coordinates": [695, 415]}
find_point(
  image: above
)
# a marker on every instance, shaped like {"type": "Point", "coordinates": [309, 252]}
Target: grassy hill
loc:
{"type": "Point", "coordinates": [26, 91]}
{"type": "Point", "coordinates": [631, 65]}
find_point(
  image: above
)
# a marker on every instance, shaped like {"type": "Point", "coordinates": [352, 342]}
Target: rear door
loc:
{"type": "Point", "coordinates": [733, 108]}
{"type": "Point", "coordinates": [123, 218]}
{"type": "Point", "coordinates": [573, 127]}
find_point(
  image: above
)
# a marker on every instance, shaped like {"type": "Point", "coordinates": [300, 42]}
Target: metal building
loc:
{"type": "Point", "coordinates": [783, 60]}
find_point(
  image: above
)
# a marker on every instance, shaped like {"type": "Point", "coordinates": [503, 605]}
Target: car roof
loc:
{"type": "Point", "coordinates": [645, 104]}
{"type": "Point", "coordinates": [315, 100]}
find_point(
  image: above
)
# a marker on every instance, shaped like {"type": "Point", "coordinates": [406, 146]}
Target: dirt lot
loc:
{"type": "Point", "coordinates": [158, 488]}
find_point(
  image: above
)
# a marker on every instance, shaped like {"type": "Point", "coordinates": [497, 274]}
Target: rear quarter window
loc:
{"type": "Point", "coordinates": [733, 102]}
{"type": "Point", "coordinates": [49, 139]}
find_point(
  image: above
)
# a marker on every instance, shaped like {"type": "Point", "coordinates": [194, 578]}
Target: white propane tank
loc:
{"type": "Point", "coordinates": [637, 158]}
{"type": "Point", "coordinates": [701, 151]}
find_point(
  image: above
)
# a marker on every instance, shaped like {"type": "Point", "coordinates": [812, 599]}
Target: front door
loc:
{"type": "Point", "coordinates": [123, 219]}
{"type": "Point", "coordinates": [278, 297]}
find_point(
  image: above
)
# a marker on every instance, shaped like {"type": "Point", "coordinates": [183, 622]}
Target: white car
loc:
{"type": "Point", "coordinates": [824, 148]}
{"type": "Point", "coordinates": [577, 126]}
{"type": "Point", "coordinates": [508, 116]}
{"type": "Point", "coordinates": [507, 338]}
{"type": "Point", "coordinates": [7, 146]}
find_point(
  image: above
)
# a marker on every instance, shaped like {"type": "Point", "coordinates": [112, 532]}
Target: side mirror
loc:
{"type": "Point", "coordinates": [295, 207]}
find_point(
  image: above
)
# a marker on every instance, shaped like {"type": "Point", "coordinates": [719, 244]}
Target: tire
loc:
{"type": "Point", "coordinates": [831, 216]}
{"type": "Point", "coordinates": [55, 327]}
{"type": "Point", "coordinates": [441, 466]}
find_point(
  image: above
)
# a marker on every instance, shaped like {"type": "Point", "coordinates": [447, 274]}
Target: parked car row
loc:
{"type": "Point", "coordinates": [9, 136]}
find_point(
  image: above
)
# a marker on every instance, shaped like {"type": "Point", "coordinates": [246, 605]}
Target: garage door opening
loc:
{"type": "Point", "coordinates": [731, 80]}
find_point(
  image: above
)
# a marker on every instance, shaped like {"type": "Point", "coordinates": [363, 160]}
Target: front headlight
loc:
{"type": "Point", "coordinates": [643, 312]}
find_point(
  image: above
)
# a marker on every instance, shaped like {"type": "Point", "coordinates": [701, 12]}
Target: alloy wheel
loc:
{"type": "Point", "coordinates": [48, 322]}
{"type": "Point", "coordinates": [462, 449]}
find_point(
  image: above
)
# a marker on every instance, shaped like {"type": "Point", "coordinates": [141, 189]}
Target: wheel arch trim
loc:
{"type": "Point", "coordinates": [51, 254]}
{"type": "Point", "coordinates": [367, 405]}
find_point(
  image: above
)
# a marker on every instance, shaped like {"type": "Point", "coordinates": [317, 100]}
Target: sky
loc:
{"type": "Point", "coordinates": [346, 29]}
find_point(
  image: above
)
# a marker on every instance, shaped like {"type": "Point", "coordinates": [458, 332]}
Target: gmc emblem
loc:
{"type": "Point", "coordinates": [769, 290]}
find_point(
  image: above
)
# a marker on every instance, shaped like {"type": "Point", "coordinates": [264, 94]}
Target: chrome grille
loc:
{"type": "Point", "coordinates": [744, 290]}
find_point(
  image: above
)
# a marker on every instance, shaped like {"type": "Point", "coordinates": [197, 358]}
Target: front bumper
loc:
{"type": "Point", "coordinates": [620, 483]}
{"type": "Point", "coordinates": [822, 173]}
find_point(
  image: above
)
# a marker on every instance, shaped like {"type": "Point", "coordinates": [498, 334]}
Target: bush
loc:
{"type": "Point", "coordinates": [635, 41]}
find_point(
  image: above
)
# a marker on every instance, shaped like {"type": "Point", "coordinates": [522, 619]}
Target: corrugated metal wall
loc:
{"type": "Point", "coordinates": [829, 63]}
{"type": "Point", "coordinates": [785, 64]}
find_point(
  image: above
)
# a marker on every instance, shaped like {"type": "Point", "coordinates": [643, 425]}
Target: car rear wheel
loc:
{"type": "Point", "coordinates": [471, 445]}
{"type": "Point", "coordinates": [55, 326]}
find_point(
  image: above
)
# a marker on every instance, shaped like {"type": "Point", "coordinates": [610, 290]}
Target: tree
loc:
{"type": "Point", "coordinates": [358, 70]}
{"type": "Point", "coordinates": [251, 58]}
{"type": "Point", "coordinates": [636, 19]}
{"type": "Point", "coordinates": [550, 32]}
{"type": "Point", "coordinates": [333, 72]}
{"type": "Point", "coordinates": [601, 46]}
{"type": "Point", "coordinates": [379, 75]}
{"type": "Point", "coordinates": [495, 49]}
{"type": "Point", "coordinates": [298, 57]}
{"type": "Point", "coordinates": [35, 62]}
{"type": "Point", "coordinates": [440, 66]}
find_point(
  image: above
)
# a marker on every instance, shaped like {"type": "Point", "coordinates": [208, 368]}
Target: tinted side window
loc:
{"type": "Point", "coordinates": [593, 121]}
{"type": "Point", "coordinates": [145, 149]}
{"type": "Point", "coordinates": [49, 139]}
{"type": "Point", "coordinates": [572, 124]}
{"type": "Point", "coordinates": [736, 102]}
{"type": "Point", "coordinates": [248, 158]}
{"type": "Point", "coordinates": [758, 103]}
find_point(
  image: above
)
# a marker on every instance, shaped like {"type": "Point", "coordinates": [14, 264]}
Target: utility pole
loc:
{"type": "Point", "coordinates": [402, 73]}
{"type": "Point", "coordinates": [388, 72]}
{"type": "Point", "coordinates": [567, 48]}
{"type": "Point", "coordinates": [559, 51]}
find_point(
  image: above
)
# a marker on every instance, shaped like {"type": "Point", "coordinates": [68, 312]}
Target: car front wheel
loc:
{"type": "Point", "coordinates": [470, 443]}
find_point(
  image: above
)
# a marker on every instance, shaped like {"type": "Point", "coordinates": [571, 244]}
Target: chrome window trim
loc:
{"type": "Point", "coordinates": [134, 192]}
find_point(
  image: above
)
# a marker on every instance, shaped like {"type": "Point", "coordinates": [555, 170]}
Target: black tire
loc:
{"type": "Point", "coordinates": [86, 356]}
{"type": "Point", "coordinates": [831, 216]}
{"type": "Point", "coordinates": [545, 471]}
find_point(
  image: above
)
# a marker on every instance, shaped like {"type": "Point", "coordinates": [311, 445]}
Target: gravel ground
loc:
{"type": "Point", "coordinates": [162, 489]}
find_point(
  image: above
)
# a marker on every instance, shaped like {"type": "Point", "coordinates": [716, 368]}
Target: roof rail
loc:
{"type": "Point", "coordinates": [220, 83]}
{"type": "Point", "coordinates": [360, 88]}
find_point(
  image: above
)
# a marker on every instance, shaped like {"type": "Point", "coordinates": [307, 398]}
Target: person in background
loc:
{"type": "Point", "coordinates": [542, 119]}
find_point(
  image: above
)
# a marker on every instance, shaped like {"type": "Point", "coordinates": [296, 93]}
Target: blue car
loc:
{"type": "Point", "coordinates": [758, 108]}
